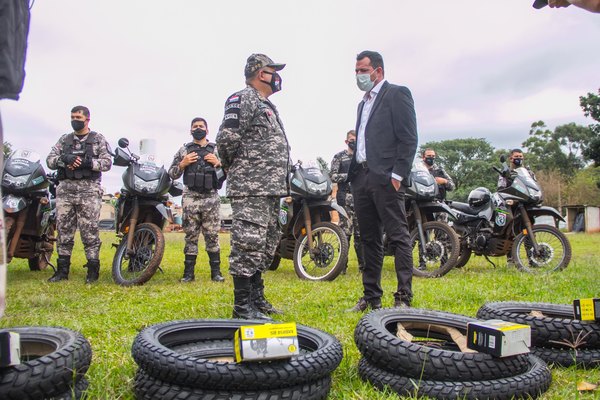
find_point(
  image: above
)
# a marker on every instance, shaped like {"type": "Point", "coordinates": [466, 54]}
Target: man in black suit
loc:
{"type": "Point", "coordinates": [386, 146]}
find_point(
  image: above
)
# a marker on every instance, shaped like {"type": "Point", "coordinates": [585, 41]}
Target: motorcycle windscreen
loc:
{"type": "Point", "coordinates": [23, 170]}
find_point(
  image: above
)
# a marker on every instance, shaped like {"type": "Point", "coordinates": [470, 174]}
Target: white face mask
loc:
{"type": "Point", "coordinates": [364, 82]}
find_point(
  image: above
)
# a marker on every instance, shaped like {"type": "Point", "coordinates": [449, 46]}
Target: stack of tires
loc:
{"type": "Point", "coordinates": [53, 365]}
{"type": "Point", "coordinates": [194, 360]}
{"type": "Point", "coordinates": [556, 337]}
{"type": "Point", "coordinates": [431, 364]}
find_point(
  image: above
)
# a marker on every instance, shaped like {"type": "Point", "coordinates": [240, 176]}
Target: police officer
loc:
{"type": "Point", "coordinates": [443, 180]}
{"type": "Point", "coordinates": [199, 164]}
{"type": "Point", "coordinates": [515, 160]}
{"type": "Point", "coordinates": [80, 158]}
{"type": "Point", "coordinates": [340, 165]}
{"type": "Point", "coordinates": [255, 154]}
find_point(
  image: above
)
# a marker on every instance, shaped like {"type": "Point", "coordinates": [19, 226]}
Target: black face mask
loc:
{"type": "Point", "coordinates": [199, 134]}
{"type": "Point", "coordinates": [275, 81]}
{"type": "Point", "coordinates": [429, 161]}
{"type": "Point", "coordinates": [352, 146]}
{"type": "Point", "coordinates": [518, 162]}
{"type": "Point", "coordinates": [77, 125]}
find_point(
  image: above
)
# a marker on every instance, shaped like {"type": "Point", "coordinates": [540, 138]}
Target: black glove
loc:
{"type": "Point", "coordinates": [86, 163]}
{"type": "Point", "coordinates": [68, 159]}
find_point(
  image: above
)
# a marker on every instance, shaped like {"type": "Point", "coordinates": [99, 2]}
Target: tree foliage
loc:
{"type": "Point", "coordinates": [559, 150]}
{"type": "Point", "coordinates": [590, 105]}
{"type": "Point", "coordinates": [468, 162]}
{"type": "Point", "coordinates": [7, 149]}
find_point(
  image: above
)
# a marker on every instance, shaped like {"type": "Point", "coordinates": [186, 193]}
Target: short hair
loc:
{"type": "Point", "coordinates": [426, 150]}
{"type": "Point", "coordinates": [83, 109]}
{"type": "Point", "coordinates": [375, 57]}
{"type": "Point", "coordinates": [199, 119]}
{"type": "Point", "coordinates": [351, 132]}
{"type": "Point", "coordinates": [513, 151]}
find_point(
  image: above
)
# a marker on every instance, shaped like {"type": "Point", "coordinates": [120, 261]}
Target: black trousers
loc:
{"type": "Point", "coordinates": [380, 207]}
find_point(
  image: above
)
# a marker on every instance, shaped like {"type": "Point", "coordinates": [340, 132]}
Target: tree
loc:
{"type": "Point", "coordinates": [468, 162]}
{"type": "Point", "coordinates": [591, 108]}
{"type": "Point", "coordinates": [560, 150]}
{"type": "Point", "coordinates": [323, 165]}
{"type": "Point", "coordinates": [7, 149]}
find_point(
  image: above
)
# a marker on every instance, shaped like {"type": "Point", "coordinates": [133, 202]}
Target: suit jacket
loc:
{"type": "Point", "coordinates": [390, 135]}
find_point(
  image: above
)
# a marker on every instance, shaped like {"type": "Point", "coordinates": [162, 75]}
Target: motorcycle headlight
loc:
{"type": "Point", "coordinates": [424, 190]}
{"type": "Point", "coordinates": [143, 186]}
{"type": "Point", "coordinates": [316, 187]}
{"type": "Point", "coordinates": [15, 181]}
{"type": "Point", "coordinates": [535, 194]}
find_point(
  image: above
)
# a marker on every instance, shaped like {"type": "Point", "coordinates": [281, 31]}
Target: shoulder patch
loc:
{"type": "Point", "coordinates": [232, 111]}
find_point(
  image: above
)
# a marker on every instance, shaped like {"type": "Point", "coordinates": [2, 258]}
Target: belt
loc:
{"type": "Point", "coordinates": [363, 165]}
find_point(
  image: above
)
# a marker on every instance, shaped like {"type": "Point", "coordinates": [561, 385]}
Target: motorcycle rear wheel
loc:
{"type": "Point", "coordinates": [441, 250]}
{"type": "Point", "coordinates": [148, 248]}
{"type": "Point", "coordinates": [330, 253]}
{"type": "Point", "coordinates": [555, 250]}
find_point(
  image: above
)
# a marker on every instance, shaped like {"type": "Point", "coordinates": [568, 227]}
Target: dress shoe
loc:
{"type": "Point", "coordinates": [362, 305]}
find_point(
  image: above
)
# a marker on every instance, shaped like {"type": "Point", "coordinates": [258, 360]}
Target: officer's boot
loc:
{"type": "Point", "coordinates": [188, 268]}
{"type": "Point", "coordinates": [359, 254]}
{"type": "Point", "coordinates": [93, 271]}
{"type": "Point", "coordinates": [215, 266]}
{"type": "Point", "coordinates": [242, 307]}
{"type": "Point", "coordinates": [63, 265]}
{"type": "Point", "coordinates": [258, 296]}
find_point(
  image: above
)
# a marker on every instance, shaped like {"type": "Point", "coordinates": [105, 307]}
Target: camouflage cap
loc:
{"type": "Point", "coordinates": [258, 61]}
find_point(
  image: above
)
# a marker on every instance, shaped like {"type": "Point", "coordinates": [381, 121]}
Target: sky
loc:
{"type": "Point", "coordinates": [477, 69]}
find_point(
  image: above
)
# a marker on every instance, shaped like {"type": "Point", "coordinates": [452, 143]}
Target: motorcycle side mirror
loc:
{"type": "Point", "coordinates": [502, 158]}
{"type": "Point", "coordinates": [123, 143]}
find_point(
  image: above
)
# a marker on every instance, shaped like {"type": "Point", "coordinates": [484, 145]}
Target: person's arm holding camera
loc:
{"type": "Point", "coordinates": [589, 5]}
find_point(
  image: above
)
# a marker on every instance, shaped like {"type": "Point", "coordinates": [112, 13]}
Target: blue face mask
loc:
{"type": "Point", "coordinates": [518, 162]}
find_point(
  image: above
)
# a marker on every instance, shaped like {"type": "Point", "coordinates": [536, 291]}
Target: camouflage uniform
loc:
{"type": "Point", "coordinates": [339, 174]}
{"type": "Point", "coordinates": [438, 172]}
{"type": "Point", "coordinates": [78, 201]}
{"type": "Point", "coordinates": [201, 212]}
{"type": "Point", "coordinates": [255, 153]}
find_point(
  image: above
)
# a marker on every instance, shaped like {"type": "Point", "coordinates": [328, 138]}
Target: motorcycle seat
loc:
{"type": "Point", "coordinates": [466, 208]}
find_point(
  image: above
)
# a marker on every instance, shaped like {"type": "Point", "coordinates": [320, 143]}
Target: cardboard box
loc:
{"type": "Point", "coordinates": [10, 349]}
{"type": "Point", "coordinates": [587, 309]}
{"type": "Point", "coordinates": [266, 342]}
{"type": "Point", "coordinates": [498, 338]}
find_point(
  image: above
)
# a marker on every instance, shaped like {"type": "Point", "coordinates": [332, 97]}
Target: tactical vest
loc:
{"type": "Point", "coordinates": [201, 175]}
{"type": "Point", "coordinates": [85, 150]}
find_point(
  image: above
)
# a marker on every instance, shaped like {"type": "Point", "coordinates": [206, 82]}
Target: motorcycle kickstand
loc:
{"type": "Point", "coordinates": [490, 261]}
{"type": "Point", "coordinates": [49, 263]}
{"type": "Point", "coordinates": [161, 270]}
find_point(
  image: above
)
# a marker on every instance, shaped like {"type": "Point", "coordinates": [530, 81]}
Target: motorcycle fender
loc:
{"type": "Point", "coordinates": [437, 207]}
{"type": "Point", "coordinates": [13, 204]}
{"type": "Point", "coordinates": [339, 209]}
{"type": "Point", "coordinates": [537, 211]}
{"type": "Point", "coordinates": [165, 212]}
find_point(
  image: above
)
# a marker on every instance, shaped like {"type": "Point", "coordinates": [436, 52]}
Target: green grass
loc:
{"type": "Point", "coordinates": [110, 316]}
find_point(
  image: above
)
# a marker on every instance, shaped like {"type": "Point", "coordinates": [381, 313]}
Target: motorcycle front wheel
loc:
{"type": "Point", "coordinates": [328, 257]}
{"type": "Point", "coordinates": [554, 250]}
{"type": "Point", "coordinates": [148, 249]}
{"type": "Point", "coordinates": [442, 248]}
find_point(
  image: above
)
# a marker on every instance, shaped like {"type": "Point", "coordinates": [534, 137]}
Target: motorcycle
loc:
{"type": "Point", "coordinates": [435, 244]}
{"type": "Point", "coordinates": [29, 209]}
{"type": "Point", "coordinates": [502, 224]}
{"type": "Point", "coordinates": [141, 210]}
{"type": "Point", "coordinates": [318, 247]}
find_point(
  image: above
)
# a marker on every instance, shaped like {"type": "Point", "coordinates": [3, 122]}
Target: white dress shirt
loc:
{"type": "Point", "coordinates": [369, 100]}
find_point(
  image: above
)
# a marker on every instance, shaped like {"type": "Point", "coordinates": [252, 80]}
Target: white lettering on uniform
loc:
{"type": "Point", "coordinates": [233, 105]}
{"type": "Point", "coordinates": [231, 116]}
